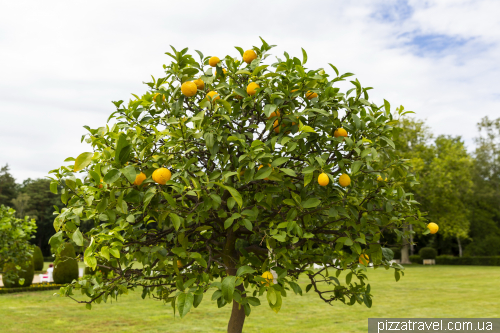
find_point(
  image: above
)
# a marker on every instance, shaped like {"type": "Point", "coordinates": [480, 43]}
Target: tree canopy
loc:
{"type": "Point", "coordinates": [209, 181]}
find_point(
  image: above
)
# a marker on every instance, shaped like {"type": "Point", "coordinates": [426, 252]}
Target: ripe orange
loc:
{"type": "Point", "coordinates": [212, 96]}
{"type": "Point", "coordinates": [364, 259]}
{"type": "Point", "coordinates": [100, 184]}
{"type": "Point", "coordinates": [189, 88]}
{"type": "Point", "coordinates": [139, 179]}
{"type": "Point", "coordinates": [199, 84]}
{"type": "Point", "coordinates": [213, 61]}
{"type": "Point", "coordinates": [311, 95]}
{"type": "Point", "coordinates": [274, 114]}
{"type": "Point", "coordinates": [161, 176]}
{"type": "Point", "coordinates": [252, 88]}
{"type": "Point", "coordinates": [269, 278]}
{"type": "Point", "coordinates": [344, 180]}
{"type": "Point", "coordinates": [433, 227]}
{"type": "Point", "coordinates": [276, 126]}
{"type": "Point", "coordinates": [323, 179]}
{"type": "Point", "coordinates": [249, 56]}
{"type": "Point", "coordinates": [340, 132]}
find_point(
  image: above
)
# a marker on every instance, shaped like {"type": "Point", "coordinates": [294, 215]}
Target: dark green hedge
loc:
{"type": "Point", "coordinates": [477, 261]}
{"type": "Point", "coordinates": [416, 259]}
{"type": "Point", "coordinates": [66, 268]}
{"type": "Point", "coordinates": [427, 253]}
{"type": "Point", "coordinates": [38, 259]}
{"type": "Point", "coordinates": [397, 252]}
{"type": "Point", "coordinates": [27, 273]}
{"type": "Point", "coordinates": [33, 287]}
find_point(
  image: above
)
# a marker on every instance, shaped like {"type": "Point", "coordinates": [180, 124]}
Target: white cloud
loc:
{"type": "Point", "coordinates": [63, 62]}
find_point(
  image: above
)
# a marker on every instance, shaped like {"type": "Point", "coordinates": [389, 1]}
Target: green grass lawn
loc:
{"type": "Point", "coordinates": [424, 291]}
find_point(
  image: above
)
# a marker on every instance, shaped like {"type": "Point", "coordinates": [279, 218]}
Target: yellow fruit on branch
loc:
{"type": "Point", "coordinates": [161, 176]}
{"type": "Point", "coordinates": [380, 179]}
{"type": "Point", "coordinates": [276, 126]}
{"type": "Point", "coordinates": [212, 96]}
{"type": "Point", "coordinates": [269, 278]}
{"type": "Point", "coordinates": [344, 180]}
{"type": "Point", "coordinates": [213, 61]}
{"type": "Point", "coordinates": [189, 88]}
{"type": "Point", "coordinates": [158, 94]}
{"type": "Point", "coordinates": [323, 179]}
{"type": "Point", "coordinates": [433, 227]}
{"type": "Point", "coordinates": [364, 259]}
{"type": "Point", "coordinates": [199, 84]}
{"type": "Point", "coordinates": [139, 178]}
{"type": "Point", "coordinates": [252, 88]}
{"type": "Point", "coordinates": [249, 56]}
{"type": "Point", "coordinates": [179, 264]}
{"type": "Point", "coordinates": [340, 132]}
{"type": "Point", "coordinates": [311, 95]}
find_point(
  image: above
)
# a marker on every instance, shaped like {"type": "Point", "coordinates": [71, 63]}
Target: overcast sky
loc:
{"type": "Point", "coordinates": [63, 62]}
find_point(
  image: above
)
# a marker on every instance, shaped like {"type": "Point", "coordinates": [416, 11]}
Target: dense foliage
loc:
{"type": "Point", "coordinates": [65, 266]}
{"type": "Point", "coordinates": [15, 247]}
{"type": "Point", "coordinates": [245, 153]}
{"type": "Point", "coordinates": [20, 276]}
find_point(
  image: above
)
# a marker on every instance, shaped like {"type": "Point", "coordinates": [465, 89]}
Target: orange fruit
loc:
{"type": "Point", "coordinates": [269, 278]}
{"type": "Point", "coordinates": [139, 179]}
{"type": "Point", "coordinates": [433, 227]}
{"type": "Point", "coordinates": [189, 88]}
{"type": "Point", "coordinates": [249, 56]}
{"type": "Point", "coordinates": [323, 179]}
{"type": "Point", "coordinates": [161, 176]}
{"type": "Point", "coordinates": [344, 180]}
{"type": "Point", "coordinates": [213, 61]}
{"type": "Point", "coordinates": [364, 259]}
{"type": "Point", "coordinates": [340, 132]}
{"type": "Point", "coordinates": [276, 126]}
{"type": "Point", "coordinates": [252, 88]}
{"type": "Point", "coordinates": [211, 94]}
{"type": "Point", "coordinates": [179, 264]}
{"type": "Point", "coordinates": [156, 95]}
{"type": "Point", "coordinates": [311, 95]}
{"type": "Point", "coordinates": [274, 114]}
{"type": "Point", "coordinates": [199, 84]}
{"type": "Point", "coordinates": [100, 184]}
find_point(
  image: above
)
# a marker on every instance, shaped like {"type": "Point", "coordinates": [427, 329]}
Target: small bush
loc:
{"type": "Point", "coordinates": [416, 259]}
{"type": "Point", "coordinates": [66, 268]}
{"type": "Point", "coordinates": [397, 252]}
{"type": "Point", "coordinates": [427, 253]}
{"type": "Point", "coordinates": [38, 259]}
{"type": "Point", "coordinates": [27, 273]}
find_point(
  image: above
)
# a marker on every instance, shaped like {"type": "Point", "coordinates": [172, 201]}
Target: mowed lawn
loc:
{"type": "Point", "coordinates": [424, 291]}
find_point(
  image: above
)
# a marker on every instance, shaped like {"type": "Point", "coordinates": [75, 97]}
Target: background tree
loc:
{"type": "Point", "coordinates": [251, 169]}
{"type": "Point", "coordinates": [7, 187]}
{"type": "Point", "coordinates": [485, 208]}
{"type": "Point", "coordinates": [16, 252]}
{"type": "Point", "coordinates": [41, 207]}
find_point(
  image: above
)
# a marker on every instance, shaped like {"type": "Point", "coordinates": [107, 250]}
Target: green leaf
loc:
{"type": "Point", "coordinates": [356, 120]}
{"type": "Point", "coordinates": [387, 253]}
{"type": "Point", "coordinates": [90, 261]}
{"type": "Point", "coordinates": [112, 176]}
{"type": "Point", "coordinates": [53, 187]}
{"type": "Point", "coordinates": [387, 106]}
{"type": "Point", "coordinates": [274, 299]}
{"type": "Point", "coordinates": [264, 172]}
{"type": "Point", "coordinates": [289, 172]}
{"type": "Point", "coordinates": [184, 303]}
{"type": "Point", "coordinates": [234, 193]}
{"type": "Point", "coordinates": [197, 299]}
{"type": "Point", "coordinates": [129, 173]}
{"type": "Point", "coordinates": [78, 237]}
{"type": "Point", "coordinates": [279, 161]}
{"type": "Point", "coordinates": [307, 178]}
{"type": "Point", "coordinates": [115, 252]}
{"type": "Point", "coordinates": [304, 56]}
{"type": "Point", "coordinates": [258, 69]}
{"type": "Point", "coordinates": [228, 222]}
{"type": "Point", "coordinates": [176, 221]}
{"type": "Point", "coordinates": [356, 166]}
{"type": "Point", "coordinates": [228, 284]}
{"type": "Point", "coordinates": [240, 92]}
{"type": "Point", "coordinates": [307, 129]}
{"type": "Point", "coordinates": [253, 301]}
{"type": "Point", "coordinates": [311, 203]}
{"type": "Point", "coordinates": [389, 141]}
{"type": "Point", "coordinates": [244, 270]}
{"type": "Point", "coordinates": [82, 161]}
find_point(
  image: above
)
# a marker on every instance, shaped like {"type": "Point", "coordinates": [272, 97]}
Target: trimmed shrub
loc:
{"type": "Point", "coordinates": [427, 253]}
{"type": "Point", "coordinates": [66, 268]}
{"type": "Point", "coordinates": [38, 259]}
{"type": "Point", "coordinates": [27, 273]}
{"type": "Point", "coordinates": [397, 252]}
{"type": "Point", "coordinates": [476, 261]}
{"type": "Point", "coordinates": [416, 259]}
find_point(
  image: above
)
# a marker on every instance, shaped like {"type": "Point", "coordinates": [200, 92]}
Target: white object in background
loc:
{"type": "Point", "coordinates": [44, 278]}
{"type": "Point", "coordinates": [49, 273]}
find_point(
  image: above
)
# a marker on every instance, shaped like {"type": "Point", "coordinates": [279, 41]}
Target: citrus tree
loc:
{"type": "Point", "coordinates": [15, 248]}
{"type": "Point", "coordinates": [233, 176]}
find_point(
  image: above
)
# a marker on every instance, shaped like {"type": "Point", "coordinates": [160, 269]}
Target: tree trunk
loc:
{"type": "Point", "coordinates": [459, 247]}
{"type": "Point", "coordinates": [405, 259]}
{"type": "Point", "coordinates": [237, 318]}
